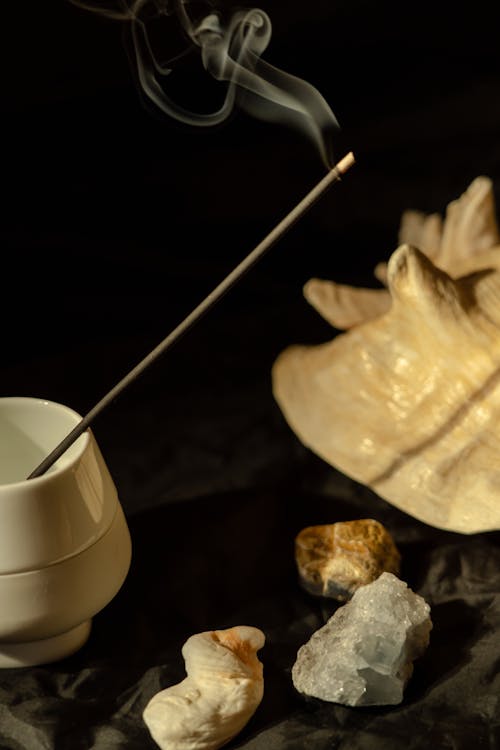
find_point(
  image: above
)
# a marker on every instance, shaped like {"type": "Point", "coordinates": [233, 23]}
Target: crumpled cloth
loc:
{"type": "Point", "coordinates": [220, 560]}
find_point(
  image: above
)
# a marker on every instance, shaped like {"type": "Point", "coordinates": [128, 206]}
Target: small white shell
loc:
{"type": "Point", "coordinates": [222, 690]}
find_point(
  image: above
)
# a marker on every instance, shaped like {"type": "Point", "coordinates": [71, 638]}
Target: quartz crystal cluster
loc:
{"type": "Point", "coordinates": [334, 560]}
{"type": "Point", "coordinates": [364, 654]}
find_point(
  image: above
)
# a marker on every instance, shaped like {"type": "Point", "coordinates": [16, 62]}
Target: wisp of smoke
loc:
{"type": "Point", "coordinates": [231, 53]}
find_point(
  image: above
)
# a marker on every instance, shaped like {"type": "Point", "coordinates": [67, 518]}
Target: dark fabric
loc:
{"type": "Point", "coordinates": [227, 559]}
{"type": "Point", "coordinates": [115, 223]}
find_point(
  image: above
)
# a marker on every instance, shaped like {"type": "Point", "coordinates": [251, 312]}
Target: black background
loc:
{"type": "Point", "coordinates": [116, 221]}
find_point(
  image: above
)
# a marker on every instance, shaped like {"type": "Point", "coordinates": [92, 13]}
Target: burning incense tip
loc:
{"type": "Point", "coordinates": [345, 163]}
{"type": "Point", "coordinates": [235, 275]}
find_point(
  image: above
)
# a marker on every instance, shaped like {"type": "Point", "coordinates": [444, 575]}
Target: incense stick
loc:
{"type": "Point", "coordinates": [235, 275]}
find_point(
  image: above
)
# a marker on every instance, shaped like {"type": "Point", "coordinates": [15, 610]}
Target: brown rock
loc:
{"type": "Point", "coordinates": [334, 560]}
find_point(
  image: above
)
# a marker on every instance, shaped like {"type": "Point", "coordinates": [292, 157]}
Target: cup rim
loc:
{"type": "Point", "coordinates": [56, 471]}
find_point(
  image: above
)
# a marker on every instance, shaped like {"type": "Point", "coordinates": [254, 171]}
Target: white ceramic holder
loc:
{"type": "Point", "coordinates": [65, 547]}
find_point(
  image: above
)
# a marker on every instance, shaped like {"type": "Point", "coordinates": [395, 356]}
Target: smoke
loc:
{"type": "Point", "coordinates": [230, 50]}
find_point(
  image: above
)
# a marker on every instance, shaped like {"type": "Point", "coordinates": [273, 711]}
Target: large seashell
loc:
{"type": "Point", "coordinates": [222, 690]}
{"type": "Point", "coordinates": [409, 403]}
{"type": "Point", "coordinates": [468, 240]}
{"type": "Point", "coordinates": [335, 559]}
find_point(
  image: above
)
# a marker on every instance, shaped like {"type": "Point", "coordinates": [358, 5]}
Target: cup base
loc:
{"type": "Point", "coordinates": [44, 651]}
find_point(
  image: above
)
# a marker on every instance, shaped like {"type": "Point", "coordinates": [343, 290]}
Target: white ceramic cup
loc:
{"type": "Point", "coordinates": [65, 547]}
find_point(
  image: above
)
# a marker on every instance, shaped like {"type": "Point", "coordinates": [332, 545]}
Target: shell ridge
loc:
{"type": "Point", "coordinates": [481, 394]}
